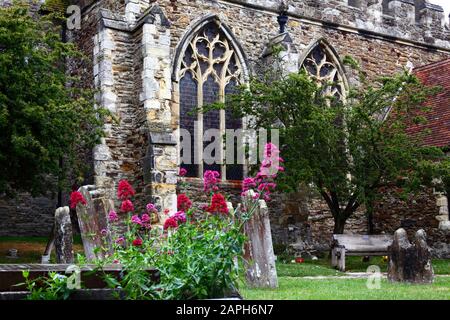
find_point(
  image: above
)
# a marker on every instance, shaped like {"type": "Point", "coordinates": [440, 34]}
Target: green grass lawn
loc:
{"type": "Point", "coordinates": [30, 249]}
{"type": "Point", "coordinates": [322, 267]}
{"type": "Point", "coordinates": [291, 288]}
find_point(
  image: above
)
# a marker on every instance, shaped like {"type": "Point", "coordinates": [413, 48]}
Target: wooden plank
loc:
{"type": "Point", "coordinates": [83, 294]}
{"type": "Point", "coordinates": [367, 253]}
{"type": "Point", "coordinates": [11, 274]}
{"type": "Point", "coordinates": [363, 242]}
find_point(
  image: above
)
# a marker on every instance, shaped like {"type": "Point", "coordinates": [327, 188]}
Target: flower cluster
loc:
{"type": "Point", "coordinates": [125, 191]}
{"type": "Point", "coordinates": [143, 221]}
{"type": "Point", "coordinates": [151, 208]}
{"type": "Point", "coordinates": [112, 216]}
{"type": "Point", "coordinates": [182, 172]}
{"type": "Point", "coordinates": [218, 205]}
{"type": "Point", "coordinates": [126, 206]}
{"type": "Point", "coordinates": [270, 165]}
{"type": "Point", "coordinates": [268, 172]}
{"type": "Point", "coordinates": [137, 242]}
{"type": "Point", "coordinates": [210, 181]}
{"type": "Point", "coordinates": [75, 198]}
{"type": "Point", "coordinates": [170, 223]}
{"type": "Point", "coordinates": [180, 216]}
{"type": "Point", "coordinates": [183, 202]}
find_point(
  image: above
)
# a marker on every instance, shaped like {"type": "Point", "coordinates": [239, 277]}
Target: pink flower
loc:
{"type": "Point", "coordinates": [135, 219]}
{"type": "Point", "coordinates": [145, 218]}
{"type": "Point", "coordinates": [210, 181]}
{"type": "Point", "coordinates": [112, 216]}
{"type": "Point", "coordinates": [270, 164]}
{"type": "Point", "coordinates": [75, 198]}
{"type": "Point", "coordinates": [104, 232]}
{"type": "Point", "coordinates": [271, 150]}
{"type": "Point", "coordinates": [170, 223]}
{"type": "Point", "coordinates": [248, 183]}
{"type": "Point", "coordinates": [182, 172]}
{"type": "Point", "coordinates": [127, 206]}
{"type": "Point", "coordinates": [116, 261]}
{"type": "Point", "coordinates": [146, 221]}
{"type": "Point", "coordinates": [125, 190]}
{"type": "Point", "coordinates": [180, 217]}
{"type": "Point", "coordinates": [151, 208]}
{"type": "Point", "coordinates": [263, 182]}
{"type": "Point", "coordinates": [120, 240]}
{"type": "Point", "coordinates": [137, 242]}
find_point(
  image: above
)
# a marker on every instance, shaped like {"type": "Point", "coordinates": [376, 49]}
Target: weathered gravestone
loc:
{"type": "Point", "coordinates": [93, 220]}
{"type": "Point", "coordinates": [410, 262]}
{"type": "Point", "coordinates": [258, 250]}
{"type": "Point", "coordinates": [63, 236]}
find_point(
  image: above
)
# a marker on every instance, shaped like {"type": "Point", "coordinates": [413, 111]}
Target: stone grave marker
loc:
{"type": "Point", "coordinates": [93, 219]}
{"type": "Point", "coordinates": [410, 262]}
{"type": "Point", "coordinates": [258, 250]}
{"type": "Point", "coordinates": [63, 236]}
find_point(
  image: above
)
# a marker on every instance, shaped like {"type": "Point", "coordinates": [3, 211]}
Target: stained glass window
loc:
{"type": "Point", "coordinates": [210, 69]}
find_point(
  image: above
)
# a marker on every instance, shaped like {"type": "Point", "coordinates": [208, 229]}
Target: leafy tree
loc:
{"type": "Point", "coordinates": [342, 148]}
{"type": "Point", "coordinates": [42, 118]}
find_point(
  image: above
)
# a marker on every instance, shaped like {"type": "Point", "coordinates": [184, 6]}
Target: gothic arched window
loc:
{"type": "Point", "coordinates": [209, 68]}
{"type": "Point", "coordinates": [322, 64]}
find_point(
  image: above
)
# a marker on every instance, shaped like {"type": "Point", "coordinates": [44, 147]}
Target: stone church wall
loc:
{"type": "Point", "coordinates": [131, 47]}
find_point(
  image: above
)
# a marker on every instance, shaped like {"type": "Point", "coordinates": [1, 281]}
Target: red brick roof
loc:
{"type": "Point", "coordinates": [438, 119]}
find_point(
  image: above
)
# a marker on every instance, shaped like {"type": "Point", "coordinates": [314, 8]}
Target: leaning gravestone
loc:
{"type": "Point", "coordinates": [92, 219]}
{"type": "Point", "coordinates": [258, 250]}
{"type": "Point", "coordinates": [63, 236]}
{"type": "Point", "coordinates": [410, 262]}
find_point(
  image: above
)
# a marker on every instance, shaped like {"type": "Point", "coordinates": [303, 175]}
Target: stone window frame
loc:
{"type": "Point", "coordinates": [332, 59]}
{"type": "Point", "coordinates": [177, 74]}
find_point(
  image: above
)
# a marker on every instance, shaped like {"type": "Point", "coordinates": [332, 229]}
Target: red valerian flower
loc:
{"type": "Point", "coordinates": [210, 181]}
{"type": "Point", "coordinates": [183, 202]}
{"type": "Point", "coordinates": [75, 198]}
{"type": "Point", "coordinates": [170, 223]}
{"type": "Point", "coordinates": [127, 206]}
{"type": "Point", "coordinates": [180, 217]}
{"type": "Point", "coordinates": [146, 221]}
{"type": "Point", "coordinates": [125, 190]}
{"type": "Point", "coordinates": [151, 208]}
{"type": "Point", "coordinates": [137, 242]}
{"type": "Point", "coordinates": [136, 220]}
{"type": "Point", "coordinates": [182, 172]}
{"type": "Point", "coordinates": [218, 204]}
{"type": "Point", "coordinates": [112, 216]}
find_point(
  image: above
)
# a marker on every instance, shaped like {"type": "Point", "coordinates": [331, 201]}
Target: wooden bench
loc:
{"type": "Point", "coordinates": [11, 274]}
{"type": "Point", "coordinates": [357, 245]}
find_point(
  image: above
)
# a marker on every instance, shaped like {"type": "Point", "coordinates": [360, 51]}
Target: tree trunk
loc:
{"type": "Point", "coordinates": [339, 225]}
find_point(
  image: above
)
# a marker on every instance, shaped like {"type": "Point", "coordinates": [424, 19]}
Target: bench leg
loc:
{"type": "Point", "coordinates": [341, 261]}
{"type": "Point", "coordinates": [334, 258]}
